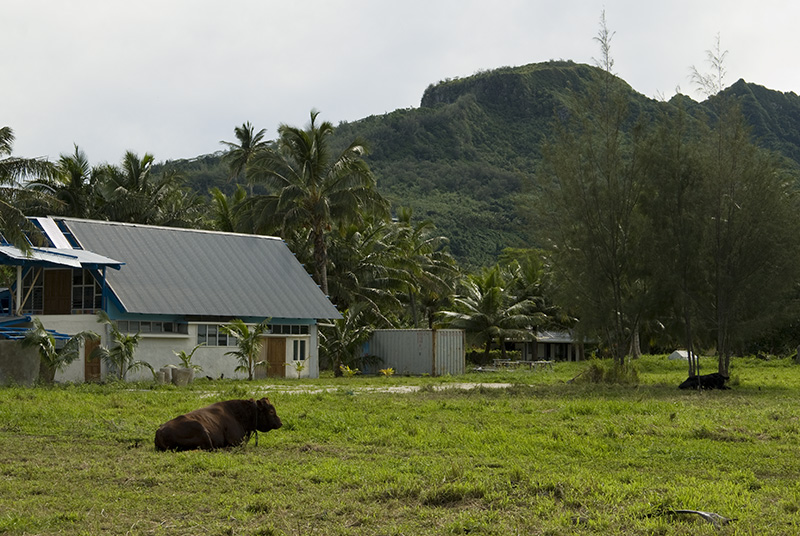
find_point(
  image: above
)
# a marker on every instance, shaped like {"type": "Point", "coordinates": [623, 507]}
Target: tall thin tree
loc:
{"type": "Point", "coordinates": [589, 214]}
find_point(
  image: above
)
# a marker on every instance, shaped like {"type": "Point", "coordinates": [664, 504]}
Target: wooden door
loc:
{"type": "Point", "coordinates": [273, 351]}
{"type": "Point", "coordinates": [91, 367]}
{"type": "Point", "coordinates": [57, 292]}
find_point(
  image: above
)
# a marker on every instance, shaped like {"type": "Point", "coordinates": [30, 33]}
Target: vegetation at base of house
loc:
{"type": "Point", "coordinates": [120, 356]}
{"type": "Point", "coordinates": [54, 359]}
{"type": "Point", "coordinates": [539, 457]}
{"type": "Point", "coordinates": [248, 340]}
{"type": "Point", "coordinates": [186, 359]}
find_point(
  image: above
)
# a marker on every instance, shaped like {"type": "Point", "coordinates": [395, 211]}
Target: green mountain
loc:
{"type": "Point", "coordinates": [465, 158]}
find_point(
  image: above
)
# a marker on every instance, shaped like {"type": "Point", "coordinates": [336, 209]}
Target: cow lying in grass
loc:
{"type": "Point", "coordinates": [224, 424]}
{"type": "Point", "coordinates": [705, 381]}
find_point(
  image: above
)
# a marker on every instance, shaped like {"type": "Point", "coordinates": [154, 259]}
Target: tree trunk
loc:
{"type": "Point", "coordinates": [636, 348]}
{"type": "Point", "coordinates": [413, 303]}
{"type": "Point", "coordinates": [47, 374]}
{"type": "Point", "coordinates": [320, 259]}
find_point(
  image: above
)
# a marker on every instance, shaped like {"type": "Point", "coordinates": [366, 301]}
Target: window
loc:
{"type": "Point", "coordinates": [212, 335]}
{"type": "Point", "coordinates": [33, 291]}
{"type": "Point", "coordinates": [299, 350]}
{"type": "Point", "coordinates": [289, 329]}
{"type": "Point", "coordinates": [135, 326]}
{"type": "Point", "coordinates": [87, 295]}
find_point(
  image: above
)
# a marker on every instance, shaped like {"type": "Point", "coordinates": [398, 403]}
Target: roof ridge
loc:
{"type": "Point", "coordinates": [164, 227]}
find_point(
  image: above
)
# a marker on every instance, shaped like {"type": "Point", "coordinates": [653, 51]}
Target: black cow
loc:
{"type": "Point", "coordinates": [220, 425]}
{"type": "Point", "coordinates": [705, 381]}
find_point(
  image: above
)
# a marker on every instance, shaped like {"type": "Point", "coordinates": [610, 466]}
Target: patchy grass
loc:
{"type": "Point", "coordinates": [541, 457]}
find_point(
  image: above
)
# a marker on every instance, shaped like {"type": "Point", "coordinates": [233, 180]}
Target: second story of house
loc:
{"type": "Point", "coordinates": [159, 278]}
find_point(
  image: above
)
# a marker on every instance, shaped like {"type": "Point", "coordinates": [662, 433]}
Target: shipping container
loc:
{"type": "Point", "coordinates": [419, 351]}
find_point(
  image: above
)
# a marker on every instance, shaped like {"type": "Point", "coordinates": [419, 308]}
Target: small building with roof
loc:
{"type": "Point", "coordinates": [552, 345]}
{"type": "Point", "coordinates": [176, 287]}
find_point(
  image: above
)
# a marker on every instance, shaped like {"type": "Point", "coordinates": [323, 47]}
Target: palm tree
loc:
{"type": "Point", "coordinates": [131, 192]}
{"type": "Point", "coordinates": [342, 342]}
{"type": "Point", "coordinates": [315, 189]}
{"type": "Point", "coordinates": [72, 185]}
{"type": "Point", "coordinates": [249, 342]}
{"type": "Point", "coordinates": [226, 213]}
{"type": "Point", "coordinates": [362, 260]}
{"type": "Point", "coordinates": [186, 359]}
{"type": "Point", "coordinates": [488, 312]}
{"type": "Point", "coordinates": [240, 154]}
{"type": "Point", "coordinates": [54, 359]}
{"type": "Point", "coordinates": [120, 356]}
{"type": "Point", "coordinates": [13, 199]}
{"type": "Point", "coordinates": [429, 270]}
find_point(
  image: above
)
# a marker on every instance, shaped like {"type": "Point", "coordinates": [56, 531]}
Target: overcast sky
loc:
{"type": "Point", "coordinates": [174, 77]}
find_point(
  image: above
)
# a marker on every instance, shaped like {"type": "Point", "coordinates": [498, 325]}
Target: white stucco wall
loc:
{"type": "Point", "coordinates": [70, 325]}
{"type": "Point", "coordinates": [159, 350]}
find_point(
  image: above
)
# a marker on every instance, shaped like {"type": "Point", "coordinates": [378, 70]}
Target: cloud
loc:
{"type": "Point", "coordinates": [173, 78]}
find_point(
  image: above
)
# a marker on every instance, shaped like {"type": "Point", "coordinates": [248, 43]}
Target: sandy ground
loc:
{"type": "Point", "coordinates": [308, 389]}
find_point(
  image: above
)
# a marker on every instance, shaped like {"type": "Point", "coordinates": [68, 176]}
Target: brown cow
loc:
{"type": "Point", "coordinates": [224, 424]}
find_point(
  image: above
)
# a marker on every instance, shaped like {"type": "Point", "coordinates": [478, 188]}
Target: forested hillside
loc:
{"type": "Point", "coordinates": [465, 158]}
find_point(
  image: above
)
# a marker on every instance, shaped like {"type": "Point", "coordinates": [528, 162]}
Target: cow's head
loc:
{"type": "Point", "coordinates": [267, 417]}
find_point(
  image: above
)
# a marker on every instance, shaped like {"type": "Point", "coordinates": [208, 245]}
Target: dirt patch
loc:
{"type": "Point", "coordinates": [308, 389]}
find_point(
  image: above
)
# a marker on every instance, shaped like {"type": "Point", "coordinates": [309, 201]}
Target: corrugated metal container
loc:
{"type": "Point", "coordinates": [420, 351]}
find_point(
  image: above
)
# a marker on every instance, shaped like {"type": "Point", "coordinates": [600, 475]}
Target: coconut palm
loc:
{"type": "Point", "coordinates": [226, 213]}
{"type": "Point", "coordinates": [133, 192]}
{"type": "Point", "coordinates": [429, 271]}
{"type": "Point", "coordinates": [342, 342]}
{"type": "Point", "coordinates": [72, 185]}
{"type": "Point", "coordinates": [240, 154]}
{"type": "Point", "coordinates": [249, 343]}
{"type": "Point", "coordinates": [119, 357]}
{"type": "Point", "coordinates": [488, 312]}
{"type": "Point", "coordinates": [14, 199]}
{"type": "Point", "coordinates": [316, 189]}
{"type": "Point", "coordinates": [54, 359]}
{"type": "Point", "coordinates": [363, 271]}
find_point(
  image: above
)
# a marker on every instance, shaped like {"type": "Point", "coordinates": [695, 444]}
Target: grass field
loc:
{"type": "Point", "coordinates": [540, 456]}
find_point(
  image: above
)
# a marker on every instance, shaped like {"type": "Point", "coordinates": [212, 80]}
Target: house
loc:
{"type": "Point", "coordinates": [175, 287]}
{"type": "Point", "coordinates": [551, 346]}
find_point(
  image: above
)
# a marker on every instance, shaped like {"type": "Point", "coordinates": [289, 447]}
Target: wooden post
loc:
{"type": "Point", "coordinates": [18, 305]}
{"type": "Point", "coordinates": [433, 350]}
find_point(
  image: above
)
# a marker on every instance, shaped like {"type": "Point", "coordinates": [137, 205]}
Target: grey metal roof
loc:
{"type": "Point", "coordinates": [175, 271]}
{"type": "Point", "coordinates": [554, 336]}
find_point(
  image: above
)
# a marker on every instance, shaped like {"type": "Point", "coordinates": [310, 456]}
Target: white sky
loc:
{"type": "Point", "coordinates": [174, 77]}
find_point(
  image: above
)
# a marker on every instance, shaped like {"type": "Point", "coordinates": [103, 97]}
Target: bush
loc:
{"type": "Point", "coordinates": [608, 372]}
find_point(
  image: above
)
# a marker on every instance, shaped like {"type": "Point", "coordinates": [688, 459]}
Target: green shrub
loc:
{"type": "Point", "coordinates": [609, 372]}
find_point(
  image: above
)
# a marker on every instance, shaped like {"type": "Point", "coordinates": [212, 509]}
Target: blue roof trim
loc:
{"type": "Point", "coordinates": [11, 321]}
{"type": "Point", "coordinates": [9, 329]}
